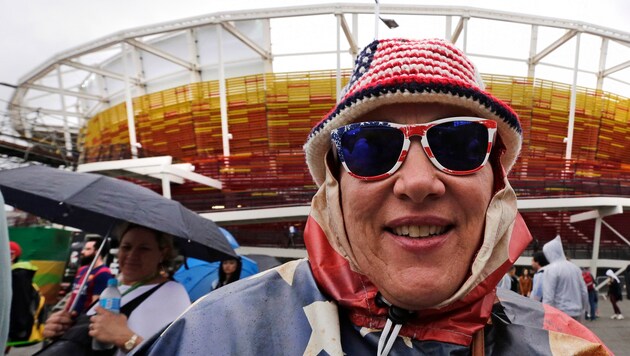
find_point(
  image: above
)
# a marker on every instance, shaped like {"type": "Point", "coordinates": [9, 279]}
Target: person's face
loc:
{"type": "Point", "coordinates": [88, 252]}
{"type": "Point", "coordinates": [88, 249]}
{"type": "Point", "coordinates": [229, 266]}
{"type": "Point", "coordinates": [139, 255]}
{"type": "Point", "coordinates": [416, 272]}
{"type": "Point", "coordinates": [535, 266]}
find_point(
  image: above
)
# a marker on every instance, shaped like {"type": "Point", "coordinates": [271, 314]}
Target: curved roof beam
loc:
{"type": "Point", "coordinates": [65, 92]}
{"type": "Point", "coordinates": [552, 47]}
{"type": "Point", "coordinates": [219, 17]}
{"type": "Point", "coordinates": [162, 54]}
{"type": "Point", "coordinates": [616, 68]}
{"type": "Point", "coordinates": [98, 71]}
{"type": "Point", "coordinates": [248, 42]}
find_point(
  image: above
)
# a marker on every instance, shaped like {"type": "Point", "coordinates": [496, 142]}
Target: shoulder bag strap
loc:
{"type": "Point", "coordinates": [129, 307]}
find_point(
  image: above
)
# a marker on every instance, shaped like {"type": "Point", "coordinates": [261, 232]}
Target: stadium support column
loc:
{"type": "Point", "coordinates": [66, 128]}
{"type": "Point", "coordinates": [225, 132]}
{"type": "Point", "coordinates": [597, 214]}
{"type": "Point", "coordinates": [338, 73]}
{"type": "Point", "coordinates": [573, 98]}
{"type": "Point", "coordinates": [533, 44]}
{"type": "Point", "coordinates": [131, 122]}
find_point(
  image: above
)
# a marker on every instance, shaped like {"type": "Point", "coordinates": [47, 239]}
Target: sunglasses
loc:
{"type": "Point", "coordinates": [375, 150]}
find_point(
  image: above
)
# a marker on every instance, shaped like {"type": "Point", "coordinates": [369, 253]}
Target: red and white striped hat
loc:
{"type": "Point", "coordinates": [395, 71]}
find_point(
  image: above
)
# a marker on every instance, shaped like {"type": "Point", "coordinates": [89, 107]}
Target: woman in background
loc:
{"type": "Point", "coordinates": [229, 272]}
{"type": "Point", "coordinates": [525, 282]}
{"type": "Point", "coordinates": [614, 293]}
{"type": "Point", "coordinates": [143, 254]}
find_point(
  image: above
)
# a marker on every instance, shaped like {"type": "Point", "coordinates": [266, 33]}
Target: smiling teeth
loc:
{"type": "Point", "coordinates": [419, 231]}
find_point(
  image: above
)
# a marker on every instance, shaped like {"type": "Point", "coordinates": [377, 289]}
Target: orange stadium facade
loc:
{"type": "Point", "coordinates": [243, 124]}
{"type": "Point", "coordinates": [269, 124]}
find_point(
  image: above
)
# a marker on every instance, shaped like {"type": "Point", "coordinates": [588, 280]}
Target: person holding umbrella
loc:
{"type": "Point", "coordinates": [143, 254]}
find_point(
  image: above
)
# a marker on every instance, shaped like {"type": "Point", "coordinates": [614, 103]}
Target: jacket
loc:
{"type": "Point", "coordinates": [324, 305]}
{"type": "Point", "coordinates": [23, 303]}
{"type": "Point", "coordinates": [283, 312]}
{"type": "Point", "coordinates": [537, 284]}
{"type": "Point", "coordinates": [563, 286]}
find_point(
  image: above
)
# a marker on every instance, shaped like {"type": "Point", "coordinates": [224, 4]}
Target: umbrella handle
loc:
{"type": "Point", "coordinates": [87, 275]}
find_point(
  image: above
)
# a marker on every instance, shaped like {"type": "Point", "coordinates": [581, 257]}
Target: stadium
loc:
{"type": "Point", "coordinates": [213, 112]}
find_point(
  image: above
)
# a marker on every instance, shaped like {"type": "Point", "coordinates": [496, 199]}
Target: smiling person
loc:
{"type": "Point", "coordinates": [412, 227]}
{"type": "Point", "coordinates": [149, 301]}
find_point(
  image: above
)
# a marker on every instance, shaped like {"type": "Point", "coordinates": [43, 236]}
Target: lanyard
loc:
{"type": "Point", "coordinates": [138, 284]}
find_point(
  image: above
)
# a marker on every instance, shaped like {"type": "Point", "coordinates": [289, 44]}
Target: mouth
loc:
{"type": "Point", "coordinates": [420, 231]}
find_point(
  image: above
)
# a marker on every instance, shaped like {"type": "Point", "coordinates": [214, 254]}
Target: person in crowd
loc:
{"type": "Point", "coordinates": [412, 227]}
{"type": "Point", "coordinates": [563, 285]}
{"type": "Point", "coordinates": [627, 274]}
{"type": "Point", "coordinates": [143, 253]}
{"type": "Point", "coordinates": [5, 277]}
{"type": "Point", "coordinates": [97, 280]}
{"type": "Point", "coordinates": [22, 316]}
{"type": "Point", "coordinates": [589, 280]}
{"type": "Point", "coordinates": [525, 283]}
{"type": "Point", "coordinates": [614, 294]}
{"type": "Point", "coordinates": [293, 234]}
{"type": "Point", "coordinates": [230, 271]}
{"type": "Point", "coordinates": [515, 286]}
{"type": "Point", "coordinates": [505, 282]}
{"type": "Point", "coordinates": [539, 262]}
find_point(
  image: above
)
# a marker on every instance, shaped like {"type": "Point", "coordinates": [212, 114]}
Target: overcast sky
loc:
{"type": "Point", "coordinates": [33, 31]}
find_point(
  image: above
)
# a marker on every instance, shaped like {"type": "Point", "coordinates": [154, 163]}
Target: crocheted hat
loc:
{"type": "Point", "coordinates": [395, 71]}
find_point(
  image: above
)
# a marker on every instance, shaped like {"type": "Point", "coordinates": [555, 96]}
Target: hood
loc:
{"type": "Point", "coordinates": [612, 275]}
{"type": "Point", "coordinates": [27, 265]}
{"type": "Point", "coordinates": [454, 320]}
{"type": "Point", "coordinates": [553, 250]}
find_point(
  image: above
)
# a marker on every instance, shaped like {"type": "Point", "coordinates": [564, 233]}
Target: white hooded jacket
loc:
{"type": "Point", "coordinates": [563, 285]}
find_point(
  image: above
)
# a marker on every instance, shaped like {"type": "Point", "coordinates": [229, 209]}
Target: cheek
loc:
{"type": "Point", "coordinates": [474, 192]}
{"type": "Point", "coordinates": [355, 204]}
{"type": "Point", "coordinates": [360, 215]}
{"type": "Point", "coordinates": [474, 204]}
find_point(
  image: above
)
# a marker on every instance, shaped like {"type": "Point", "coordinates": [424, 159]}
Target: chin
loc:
{"type": "Point", "coordinates": [419, 302]}
{"type": "Point", "coordinates": [418, 297]}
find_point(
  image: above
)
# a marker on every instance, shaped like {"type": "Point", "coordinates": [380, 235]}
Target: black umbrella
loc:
{"type": "Point", "coordinates": [99, 204]}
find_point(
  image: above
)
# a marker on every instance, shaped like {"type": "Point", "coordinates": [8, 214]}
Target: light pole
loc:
{"type": "Point", "coordinates": [390, 23]}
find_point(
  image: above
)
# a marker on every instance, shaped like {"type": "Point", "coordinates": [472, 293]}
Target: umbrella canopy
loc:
{"type": "Point", "coordinates": [98, 204]}
{"type": "Point", "coordinates": [199, 276]}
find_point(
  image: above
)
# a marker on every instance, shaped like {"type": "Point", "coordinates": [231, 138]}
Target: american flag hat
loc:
{"type": "Point", "coordinates": [395, 71]}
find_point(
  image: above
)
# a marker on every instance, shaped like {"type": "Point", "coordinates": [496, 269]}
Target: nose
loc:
{"type": "Point", "coordinates": [133, 253]}
{"type": "Point", "coordinates": [418, 179]}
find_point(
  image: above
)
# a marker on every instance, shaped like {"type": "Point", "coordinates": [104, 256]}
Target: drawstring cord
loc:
{"type": "Point", "coordinates": [396, 317]}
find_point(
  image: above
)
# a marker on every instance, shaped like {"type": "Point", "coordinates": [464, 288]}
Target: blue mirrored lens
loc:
{"type": "Point", "coordinates": [459, 145]}
{"type": "Point", "coordinates": [371, 150]}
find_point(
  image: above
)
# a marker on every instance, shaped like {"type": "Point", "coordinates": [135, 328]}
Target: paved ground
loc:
{"type": "Point", "coordinates": [614, 333]}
